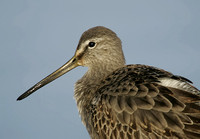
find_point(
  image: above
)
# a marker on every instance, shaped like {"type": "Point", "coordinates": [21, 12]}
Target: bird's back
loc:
{"type": "Point", "coordinates": [138, 101]}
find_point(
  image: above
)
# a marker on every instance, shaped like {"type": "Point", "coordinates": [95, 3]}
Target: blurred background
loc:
{"type": "Point", "coordinates": [38, 36]}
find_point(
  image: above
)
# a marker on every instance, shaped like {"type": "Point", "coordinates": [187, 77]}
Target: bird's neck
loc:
{"type": "Point", "coordinates": [86, 87]}
{"type": "Point", "coordinates": [99, 71]}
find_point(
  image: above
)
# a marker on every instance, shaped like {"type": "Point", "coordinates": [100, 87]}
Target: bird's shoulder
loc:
{"type": "Point", "coordinates": [121, 80]}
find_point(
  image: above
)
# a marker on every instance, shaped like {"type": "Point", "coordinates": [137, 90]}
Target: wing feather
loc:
{"type": "Point", "coordinates": [139, 101]}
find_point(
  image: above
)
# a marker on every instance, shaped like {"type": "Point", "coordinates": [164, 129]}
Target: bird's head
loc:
{"type": "Point", "coordinates": [98, 47]}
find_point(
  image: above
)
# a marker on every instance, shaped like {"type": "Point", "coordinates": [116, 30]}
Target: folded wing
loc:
{"type": "Point", "coordinates": [139, 101]}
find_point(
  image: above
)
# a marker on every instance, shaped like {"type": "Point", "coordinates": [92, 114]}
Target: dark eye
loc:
{"type": "Point", "coordinates": [91, 44]}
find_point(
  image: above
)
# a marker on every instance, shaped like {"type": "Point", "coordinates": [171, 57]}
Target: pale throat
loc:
{"type": "Point", "coordinates": [100, 71]}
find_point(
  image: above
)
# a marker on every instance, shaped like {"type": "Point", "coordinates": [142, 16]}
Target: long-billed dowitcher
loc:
{"type": "Point", "coordinates": [128, 101]}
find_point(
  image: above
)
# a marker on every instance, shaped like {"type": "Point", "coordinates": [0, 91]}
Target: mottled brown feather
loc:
{"type": "Point", "coordinates": [152, 111]}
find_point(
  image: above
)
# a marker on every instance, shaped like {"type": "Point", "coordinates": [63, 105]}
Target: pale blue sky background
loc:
{"type": "Point", "coordinates": [38, 36]}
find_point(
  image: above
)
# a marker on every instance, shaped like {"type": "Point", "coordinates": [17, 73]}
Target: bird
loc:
{"type": "Point", "coordinates": [119, 101]}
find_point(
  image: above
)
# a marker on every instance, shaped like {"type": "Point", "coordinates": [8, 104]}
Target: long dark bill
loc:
{"type": "Point", "coordinates": [72, 63]}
